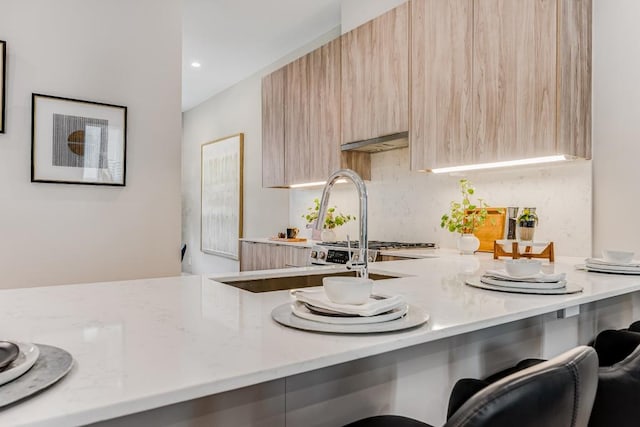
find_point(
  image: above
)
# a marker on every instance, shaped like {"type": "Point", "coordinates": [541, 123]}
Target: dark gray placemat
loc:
{"type": "Point", "coordinates": [52, 364]}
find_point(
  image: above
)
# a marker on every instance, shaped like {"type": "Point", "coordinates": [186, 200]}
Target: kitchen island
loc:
{"type": "Point", "coordinates": [192, 351]}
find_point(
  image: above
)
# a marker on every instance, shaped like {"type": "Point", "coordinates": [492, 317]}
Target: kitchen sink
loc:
{"type": "Point", "coordinates": [291, 282]}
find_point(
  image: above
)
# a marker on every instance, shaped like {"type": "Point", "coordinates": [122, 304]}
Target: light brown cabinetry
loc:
{"type": "Point", "coordinates": [324, 110]}
{"type": "Point", "coordinates": [375, 77]}
{"type": "Point", "coordinates": [273, 129]}
{"type": "Point", "coordinates": [441, 77]}
{"type": "Point", "coordinates": [303, 99]}
{"type": "Point", "coordinates": [296, 121]}
{"type": "Point", "coordinates": [495, 80]}
{"type": "Point", "coordinates": [267, 256]}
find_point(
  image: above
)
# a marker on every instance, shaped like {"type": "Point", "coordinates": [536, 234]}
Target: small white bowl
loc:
{"type": "Point", "coordinates": [522, 267]}
{"type": "Point", "coordinates": [621, 257]}
{"type": "Point", "coordinates": [347, 290]}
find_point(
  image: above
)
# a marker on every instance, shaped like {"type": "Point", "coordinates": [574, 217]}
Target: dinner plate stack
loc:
{"type": "Point", "coordinates": [16, 359]}
{"type": "Point", "coordinates": [316, 306]}
{"type": "Point", "coordinates": [26, 369]}
{"type": "Point", "coordinates": [539, 283]}
{"type": "Point", "coordinates": [601, 265]}
{"type": "Point", "coordinates": [312, 310]}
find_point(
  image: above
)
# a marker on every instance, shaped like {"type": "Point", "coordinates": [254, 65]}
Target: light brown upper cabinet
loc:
{"type": "Point", "coordinates": [301, 121]}
{"type": "Point", "coordinates": [273, 129]}
{"type": "Point", "coordinates": [375, 77]}
{"type": "Point", "coordinates": [495, 80]}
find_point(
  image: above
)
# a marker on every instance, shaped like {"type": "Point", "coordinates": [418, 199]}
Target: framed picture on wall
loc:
{"type": "Point", "coordinates": [221, 196]}
{"type": "Point", "coordinates": [3, 84]}
{"type": "Point", "coordinates": [77, 142]}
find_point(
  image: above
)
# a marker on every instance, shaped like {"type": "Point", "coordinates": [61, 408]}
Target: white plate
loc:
{"type": "Point", "coordinates": [612, 270]}
{"type": "Point", "coordinates": [569, 289]}
{"type": "Point", "coordinates": [28, 355]}
{"type": "Point", "coordinates": [301, 310]}
{"type": "Point", "coordinates": [415, 317]}
{"type": "Point", "coordinates": [523, 285]}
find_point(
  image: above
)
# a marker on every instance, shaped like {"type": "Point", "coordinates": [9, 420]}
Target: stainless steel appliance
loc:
{"type": "Point", "coordinates": [338, 252]}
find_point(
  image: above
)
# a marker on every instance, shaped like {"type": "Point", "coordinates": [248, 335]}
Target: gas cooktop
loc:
{"type": "Point", "coordinates": [381, 245]}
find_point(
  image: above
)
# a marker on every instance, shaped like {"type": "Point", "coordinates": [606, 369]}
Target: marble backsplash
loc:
{"type": "Point", "coordinates": [407, 206]}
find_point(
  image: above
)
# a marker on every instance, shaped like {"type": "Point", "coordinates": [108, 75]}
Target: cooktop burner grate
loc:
{"type": "Point", "coordinates": [378, 245]}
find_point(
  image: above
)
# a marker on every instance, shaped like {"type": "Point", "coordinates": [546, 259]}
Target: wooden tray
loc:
{"type": "Point", "coordinates": [284, 239]}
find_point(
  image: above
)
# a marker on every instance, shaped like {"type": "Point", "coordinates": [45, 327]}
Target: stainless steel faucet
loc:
{"type": "Point", "coordinates": [361, 264]}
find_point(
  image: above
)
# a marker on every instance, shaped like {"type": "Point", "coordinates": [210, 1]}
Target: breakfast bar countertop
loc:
{"type": "Point", "coordinates": [144, 344]}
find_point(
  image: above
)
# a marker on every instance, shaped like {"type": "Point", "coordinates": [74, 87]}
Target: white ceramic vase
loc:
{"type": "Point", "coordinates": [468, 244]}
{"type": "Point", "coordinates": [328, 235]}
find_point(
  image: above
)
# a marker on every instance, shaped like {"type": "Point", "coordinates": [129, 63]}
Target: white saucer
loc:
{"type": "Point", "coordinates": [300, 309]}
{"type": "Point", "coordinates": [415, 317]}
{"type": "Point", "coordinates": [28, 355]}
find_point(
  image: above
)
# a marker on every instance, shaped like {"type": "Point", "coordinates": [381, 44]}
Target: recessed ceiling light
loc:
{"type": "Point", "coordinates": [195, 64]}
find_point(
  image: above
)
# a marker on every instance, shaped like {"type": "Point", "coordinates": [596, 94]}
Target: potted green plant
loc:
{"type": "Point", "coordinates": [332, 220]}
{"type": "Point", "coordinates": [527, 223]}
{"type": "Point", "coordinates": [464, 217]}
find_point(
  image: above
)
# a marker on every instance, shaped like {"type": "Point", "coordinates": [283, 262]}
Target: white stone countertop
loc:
{"type": "Point", "coordinates": [143, 344]}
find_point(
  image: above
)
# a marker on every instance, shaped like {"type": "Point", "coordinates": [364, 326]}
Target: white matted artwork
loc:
{"type": "Point", "coordinates": [221, 196]}
{"type": "Point", "coordinates": [77, 142]}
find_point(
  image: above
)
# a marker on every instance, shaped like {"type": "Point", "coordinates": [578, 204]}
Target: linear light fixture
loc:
{"type": "Point", "coordinates": [520, 162]}
{"type": "Point", "coordinates": [315, 184]}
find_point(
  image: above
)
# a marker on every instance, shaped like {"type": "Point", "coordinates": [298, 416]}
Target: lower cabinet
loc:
{"type": "Point", "coordinates": [269, 256]}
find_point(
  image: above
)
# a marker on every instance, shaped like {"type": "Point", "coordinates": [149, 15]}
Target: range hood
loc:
{"type": "Point", "coordinates": [381, 143]}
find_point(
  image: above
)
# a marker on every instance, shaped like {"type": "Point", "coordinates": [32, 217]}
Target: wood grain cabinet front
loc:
{"type": "Point", "coordinates": [301, 121]}
{"type": "Point", "coordinates": [375, 77]}
{"type": "Point", "coordinates": [495, 80]}
{"type": "Point", "coordinates": [273, 174]}
{"type": "Point", "coordinates": [268, 256]}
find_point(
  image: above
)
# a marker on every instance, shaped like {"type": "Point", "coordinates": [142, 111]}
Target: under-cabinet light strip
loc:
{"type": "Point", "coordinates": [520, 162]}
{"type": "Point", "coordinates": [315, 184]}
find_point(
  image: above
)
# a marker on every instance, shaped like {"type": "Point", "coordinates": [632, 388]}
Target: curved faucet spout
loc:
{"type": "Point", "coordinates": [362, 195]}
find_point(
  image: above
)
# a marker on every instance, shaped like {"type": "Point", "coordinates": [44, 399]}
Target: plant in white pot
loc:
{"type": "Point", "coordinates": [464, 216]}
{"type": "Point", "coordinates": [332, 220]}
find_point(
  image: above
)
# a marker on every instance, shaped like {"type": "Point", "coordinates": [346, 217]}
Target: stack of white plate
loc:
{"type": "Point", "coordinates": [312, 310]}
{"type": "Point", "coordinates": [601, 265]}
{"type": "Point", "coordinates": [314, 305]}
{"type": "Point", "coordinates": [16, 359]}
{"type": "Point", "coordinates": [538, 283]}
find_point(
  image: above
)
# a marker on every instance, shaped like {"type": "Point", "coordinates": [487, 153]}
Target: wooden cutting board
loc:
{"type": "Point", "coordinates": [492, 229]}
{"type": "Point", "coordinates": [295, 240]}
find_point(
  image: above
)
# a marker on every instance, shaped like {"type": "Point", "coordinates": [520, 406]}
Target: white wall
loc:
{"type": "Point", "coordinates": [616, 123]}
{"type": "Point", "coordinates": [407, 206]}
{"type": "Point", "coordinates": [119, 52]}
{"type": "Point", "coordinates": [357, 12]}
{"type": "Point", "coordinates": [237, 109]}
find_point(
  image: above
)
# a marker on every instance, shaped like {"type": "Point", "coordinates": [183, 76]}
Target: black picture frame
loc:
{"type": "Point", "coordinates": [3, 85]}
{"type": "Point", "coordinates": [76, 141]}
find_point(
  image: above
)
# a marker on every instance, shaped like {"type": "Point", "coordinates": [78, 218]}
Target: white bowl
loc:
{"type": "Point", "coordinates": [347, 290]}
{"type": "Point", "coordinates": [621, 257]}
{"type": "Point", "coordinates": [522, 267]}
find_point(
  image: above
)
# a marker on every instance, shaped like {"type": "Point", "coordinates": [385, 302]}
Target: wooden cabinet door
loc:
{"type": "Point", "coordinates": [247, 256]}
{"type": "Point", "coordinates": [514, 79]}
{"type": "Point", "coordinates": [574, 81]}
{"type": "Point", "coordinates": [324, 111]}
{"type": "Point", "coordinates": [273, 167]}
{"type": "Point", "coordinates": [296, 121]}
{"type": "Point", "coordinates": [441, 78]}
{"type": "Point", "coordinates": [298, 257]}
{"type": "Point", "coordinates": [375, 77]}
